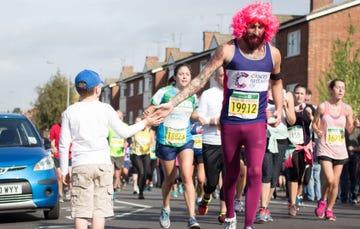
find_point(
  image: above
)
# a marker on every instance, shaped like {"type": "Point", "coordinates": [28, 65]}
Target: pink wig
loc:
{"type": "Point", "coordinates": [256, 12]}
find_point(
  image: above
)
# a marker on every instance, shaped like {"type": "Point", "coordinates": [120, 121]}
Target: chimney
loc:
{"type": "Point", "coordinates": [126, 72]}
{"type": "Point", "coordinates": [207, 37]}
{"type": "Point", "coordinates": [169, 51]}
{"type": "Point", "coordinates": [317, 4]}
{"type": "Point", "coordinates": [151, 59]}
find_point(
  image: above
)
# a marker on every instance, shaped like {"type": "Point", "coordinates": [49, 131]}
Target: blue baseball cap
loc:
{"type": "Point", "coordinates": [87, 79]}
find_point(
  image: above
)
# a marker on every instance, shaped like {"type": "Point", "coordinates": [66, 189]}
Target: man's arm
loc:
{"type": "Point", "coordinates": [216, 61]}
{"type": "Point", "coordinates": [277, 87]}
{"type": "Point", "coordinates": [222, 55]}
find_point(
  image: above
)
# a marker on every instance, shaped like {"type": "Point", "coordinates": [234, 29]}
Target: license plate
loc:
{"type": "Point", "coordinates": [10, 189]}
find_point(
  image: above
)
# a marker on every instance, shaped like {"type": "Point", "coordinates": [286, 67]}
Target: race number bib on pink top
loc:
{"type": "Point", "coordinates": [335, 136]}
{"type": "Point", "coordinates": [244, 105]}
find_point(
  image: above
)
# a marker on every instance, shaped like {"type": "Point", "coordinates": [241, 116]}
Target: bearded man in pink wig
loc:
{"type": "Point", "coordinates": [250, 63]}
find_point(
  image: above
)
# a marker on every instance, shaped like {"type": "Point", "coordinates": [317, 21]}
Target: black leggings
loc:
{"type": "Point", "coordinates": [272, 164]}
{"type": "Point", "coordinates": [300, 172]}
{"type": "Point", "coordinates": [142, 165]}
{"type": "Point", "coordinates": [213, 163]}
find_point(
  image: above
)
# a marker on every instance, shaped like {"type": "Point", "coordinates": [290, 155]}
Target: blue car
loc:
{"type": "Point", "coordinates": [27, 173]}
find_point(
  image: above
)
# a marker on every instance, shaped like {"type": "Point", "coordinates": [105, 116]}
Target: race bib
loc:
{"type": "Point", "coordinates": [244, 105]}
{"type": "Point", "coordinates": [175, 136]}
{"type": "Point", "coordinates": [197, 141]}
{"type": "Point", "coordinates": [335, 136]}
{"type": "Point", "coordinates": [296, 135]}
{"type": "Point", "coordinates": [117, 142]}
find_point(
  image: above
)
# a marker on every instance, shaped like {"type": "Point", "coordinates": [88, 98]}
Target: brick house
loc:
{"type": "Point", "coordinates": [306, 42]}
{"type": "Point", "coordinates": [135, 89]}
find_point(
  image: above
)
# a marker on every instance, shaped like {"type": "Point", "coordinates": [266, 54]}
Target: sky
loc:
{"type": "Point", "coordinates": [40, 37]}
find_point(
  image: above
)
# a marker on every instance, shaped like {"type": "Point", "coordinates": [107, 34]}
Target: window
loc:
{"type": "Point", "coordinates": [140, 89]}
{"type": "Point", "coordinates": [131, 93]}
{"type": "Point", "coordinates": [122, 92]}
{"type": "Point", "coordinates": [293, 43]}
{"type": "Point", "coordinates": [131, 117]}
{"type": "Point", "coordinates": [147, 84]}
{"type": "Point", "coordinates": [140, 112]}
{"type": "Point", "coordinates": [171, 73]}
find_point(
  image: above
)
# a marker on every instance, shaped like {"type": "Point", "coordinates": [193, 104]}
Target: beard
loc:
{"type": "Point", "coordinates": [253, 41]}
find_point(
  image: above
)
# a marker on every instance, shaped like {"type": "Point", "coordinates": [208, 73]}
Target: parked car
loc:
{"type": "Point", "coordinates": [27, 172]}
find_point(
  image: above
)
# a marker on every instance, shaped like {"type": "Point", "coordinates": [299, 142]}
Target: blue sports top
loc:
{"type": "Point", "coordinates": [245, 88]}
{"type": "Point", "coordinates": [175, 130]}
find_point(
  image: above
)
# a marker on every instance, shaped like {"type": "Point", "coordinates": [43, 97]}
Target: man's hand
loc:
{"type": "Point", "coordinates": [275, 120]}
{"type": "Point", "coordinates": [148, 111]}
{"type": "Point", "coordinates": [152, 120]}
{"type": "Point", "coordinates": [163, 110]}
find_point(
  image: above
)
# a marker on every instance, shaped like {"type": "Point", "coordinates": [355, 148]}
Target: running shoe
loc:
{"type": "Point", "coordinates": [268, 216]}
{"type": "Point", "coordinates": [249, 227]}
{"type": "Point", "coordinates": [239, 206]}
{"type": "Point", "coordinates": [193, 224]}
{"type": "Point", "coordinates": [354, 201]}
{"type": "Point", "coordinates": [330, 215]}
{"type": "Point", "coordinates": [141, 196]}
{"type": "Point", "coordinates": [320, 210]}
{"type": "Point", "coordinates": [180, 189]}
{"type": "Point", "coordinates": [230, 223]}
{"type": "Point", "coordinates": [299, 201]}
{"type": "Point", "coordinates": [61, 199]}
{"type": "Point", "coordinates": [175, 194]}
{"type": "Point", "coordinates": [164, 218]}
{"type": "Point", "coordinates": [203, 206]}
{"type": "Point", "coordinates": [198, 200]}
{"type": "Point", "coordinates": [221, 217]}
{"type": "Point", "coordinates": [293, 210]}
{"type": "Point", "coordinates": [262, 216]}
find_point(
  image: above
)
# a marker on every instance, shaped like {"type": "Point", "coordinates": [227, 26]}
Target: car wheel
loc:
{"type": "Point", "coordinates": [53, 213]}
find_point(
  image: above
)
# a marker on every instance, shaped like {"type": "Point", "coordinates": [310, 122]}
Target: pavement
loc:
{"type": "Point", "coordinates": [131, 213]}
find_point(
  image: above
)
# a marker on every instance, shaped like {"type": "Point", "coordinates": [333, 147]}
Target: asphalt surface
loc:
{"type": "Point", "coordinates": [130, 212]}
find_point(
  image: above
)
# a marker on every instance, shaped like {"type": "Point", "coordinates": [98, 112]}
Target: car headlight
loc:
{"type": "Point", "coordinates": [45, 164]}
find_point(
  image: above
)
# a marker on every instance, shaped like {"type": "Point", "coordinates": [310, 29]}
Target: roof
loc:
{"type": "Point", "coordinates": [323, 11]}
{"type": "Point", "coordinates": [222, 38]}
{"type": "Point", "coordinates": [181, 55]}
{"type": "Point", "coordinates": [153, 65]}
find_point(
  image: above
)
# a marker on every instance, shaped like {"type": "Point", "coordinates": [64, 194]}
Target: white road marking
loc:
{"type": "Point", "coordinates": [140, 208]}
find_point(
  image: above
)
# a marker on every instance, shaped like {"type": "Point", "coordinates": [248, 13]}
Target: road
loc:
{"type": "Point", "coordinates": [144, 214]}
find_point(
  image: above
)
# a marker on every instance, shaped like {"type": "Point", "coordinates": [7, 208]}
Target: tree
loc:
{"type": "Point", "coordinates": [345, 66]}
{"type": "Point", "coordinates": [17, 110]}
{"type": "Point", "coordinates": [51, 101]}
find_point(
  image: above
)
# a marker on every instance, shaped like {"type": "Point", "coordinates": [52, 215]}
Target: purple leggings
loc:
{"type": "Point", "coordinates": [253, 137]}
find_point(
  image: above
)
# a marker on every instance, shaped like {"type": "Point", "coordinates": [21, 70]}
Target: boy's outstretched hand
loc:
{"type": "Point", "coordinates": [163, 110]}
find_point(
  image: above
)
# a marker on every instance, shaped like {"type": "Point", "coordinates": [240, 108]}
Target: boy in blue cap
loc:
{"type": "Point", "coordinates": [85, 124]}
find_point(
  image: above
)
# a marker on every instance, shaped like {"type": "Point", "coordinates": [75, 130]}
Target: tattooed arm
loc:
{"type": "Point", "coordinates": [222, 55]}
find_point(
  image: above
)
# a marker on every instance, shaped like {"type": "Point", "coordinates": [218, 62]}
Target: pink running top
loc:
{"type": "Point", "coordinates": [332, 143]}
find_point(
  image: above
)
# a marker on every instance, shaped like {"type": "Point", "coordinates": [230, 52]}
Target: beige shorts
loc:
{"type": "Point", "coordinates": [92, 191]}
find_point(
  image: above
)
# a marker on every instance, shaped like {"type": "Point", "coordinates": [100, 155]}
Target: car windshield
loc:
{"type": "Point", "coordinates": [17, 132]}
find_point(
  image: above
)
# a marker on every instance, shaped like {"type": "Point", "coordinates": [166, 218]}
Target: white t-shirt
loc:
{"type": "Point", "coordinates": [85, 125]}
{"type": "Point", "coordinates": [210, 105]}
